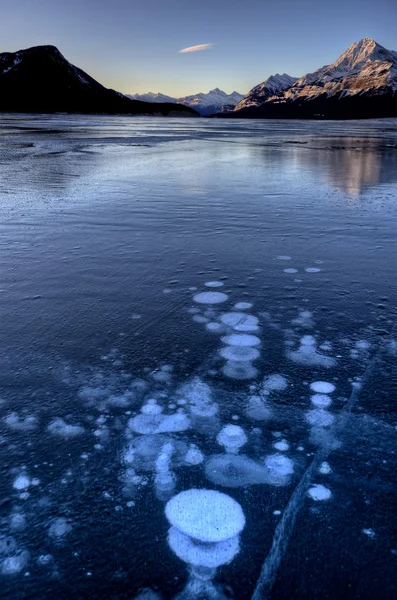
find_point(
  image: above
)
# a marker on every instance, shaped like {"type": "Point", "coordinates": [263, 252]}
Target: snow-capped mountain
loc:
{"type": "Point", "coordinates": [152, 97]}
{"type": "Point", "coordinates": [55, 85]}
{"type": "Point", "coordinates": [271, 86]}
{"type": "Point", "coordinates": [205, 104]}
{"type": "Point", "coordinates": [361, 83]}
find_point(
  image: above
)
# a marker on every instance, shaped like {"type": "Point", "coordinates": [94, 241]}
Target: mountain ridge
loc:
{"type": "Point", "coordinates": [55, 85]}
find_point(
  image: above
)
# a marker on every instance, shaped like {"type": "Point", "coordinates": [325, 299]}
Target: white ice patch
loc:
{"type": "Point", "coordinates": [19, 424]}
{"type": "Point", "coordinates": [205, 515]}
{"type": "Point", "coordinates": [153, 424]}
{"type": "Point", "coordinates": [325, 468]}
{"type": "Point", "coordinates": [14, 564]}
{"type": "Point", "coordinates": [240, 321]}
{"type": "Point", "coordinates": [319, 492]}
{"type": "Point", "coordinates": [232, 438]}
{"type": "Point", "coordinates": [62, 429]}
{"type": "Point", "coordinates": [239, 353]}
{"type": "Point", "coordinates": [257, 409]}
{"type": "Point", "coordinates": [290, 271]}
{"type": "Point", "coordinates": [200, 319]}
{"type": "Point", "coordinates": [194, 456]}
{"type": "Point", "coordinates": [59, 528]}
{"type": "Point", "coordinates": [213, 284]}
{"type": "Point", "coordinates": [322, 387]}
{"type": "Point", "coordinates": [281, 446]}
{"type": "Point", "coordinates": [312, 270]}
{"type": "Point", "coordinates": [283, 257]}
{"type": "Point", "coordinates": [243, 305]}
{"type": "Point", "coordinates": [369, 532]}
{"type": "Point", "coordinates": [21, 482]}
{"type": "Point", "coordinates": [320, 417]}
{"type": "Point", "coordinates": [307, 355]}
{"type": "Point", "coordinates": [304, 319]}
{"type": "Point", "coordinates": [275, 383]}
{"type": "Point", "coordinates": [241, 339]}
{"type": "Point", "coordinates": [210, 297]}
{"type": "Point", "coordinates": [280, 469]}
{"type": "Point", "coordinates": [204, 554]}
{"type": "Point", "coordinates": [239, 370]}
{"type": "Point", "coordinates": [321, 400]}
{"type": "Point", "coordinates": [215, 327]}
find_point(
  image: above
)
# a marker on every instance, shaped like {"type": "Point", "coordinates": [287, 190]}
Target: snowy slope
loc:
{"type": "Point", "coordinates": [152, 97]}
{"type": "Point", "coordinates": [271, 86]}
{"type": "Point", "coordinates": [361, 83]}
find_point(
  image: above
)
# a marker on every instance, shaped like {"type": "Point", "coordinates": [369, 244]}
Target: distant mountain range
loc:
{"type": "Point", "coordinates": [361, 83]}
{"type": "Point", "coordinates": [205, 104]}
{"type": "Point", "coordinates": [40, 79]}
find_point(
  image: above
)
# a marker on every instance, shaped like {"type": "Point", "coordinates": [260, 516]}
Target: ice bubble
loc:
{"type": "Point", "coordinates": [151, 408]}
{"type": "Point", "coordinates": [304, 319]}
{"type": "Point", "coordinates": [275, 383]}
{"type": "Point", "coordinates": [161, 376]}
{"type": "Point", "coordinates": [235, 470]}
{"type": "Point", "coordinates": [205, 515]}
{"type": "Point", "coordinates": [308, 340]}
{"type": "Point", "coordinates": [18, 424]}
{"type": "Point", "coordinates": [322, 387]}
{"type": "Point", "coordinates": [319, 492]}
{"type": "Point", "coordinates": [232, 437]}
{"type": "Point", "coordinates": [200, 319]}
{"type": "Point", "coordinates": [59, 528]}
{"type": "Point", "coordinates": [210, 297]}
{"type": "Point", "coordinates": [213, 284]}
{"type": "Point", "coordinates": [257, 409]}
{"type": "Point", "coordinates": [312, 270]}
{"type": "Point", "coordinates": [59, 427]}
{"type": "Point", "coordinates": [204, 410]}
{"type": "Point", "coordinates": [194, 456]}
{"type": "Point", "coordinates": [22, 482]}
{"type": "Point", "coordinates": [308, 356]}
{"type": "Point", "coordinates": [44, 560]}
{"type": "Point", "coordinates": [320, 417]}
{"type": "Point", "coordinates": [239, 370]}
{"type": "Point", "coordinates": [213, 326]}
{"type": "Point", "coordinates": [369, 532]}
{"type": "Point", "coordinates": [283, 257]}
{"type": "Point", "coordinates": [149, 424]}
{"type": "Point", "coordinates": [279, 469]}
{"type": "Point", "coordinates": [321, 400]}
{"type": "Point", "coordinates": [241, 339]}
{"type": "Point", "coordinates": [281, 446]}
{"type": "Point", "coordinates": [240, 321]}
{"type": "Point", "coordinates": [143, 451]}
{"type": "Point", "coordinates": [196, 392]}
{"type": "Point", "coordinates": [14, 564]}
{"type": "Point", "coordinates": [239, 353]}
{"type": "Point", "coordinates": [362, 345]}
{"type": "Point", "coordinates": [290, 271]}
{"type": "Point", "coordinates": [17, 522]}
{"type": "Point", "coordinates": [325, 468]}
{"type": "Point", "coordinates": [243, 306]}
{"type": "Point", "coordinates": [204, 554]}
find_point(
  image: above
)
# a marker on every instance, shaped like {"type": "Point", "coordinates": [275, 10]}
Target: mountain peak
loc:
{"type": "Point", "coordinates": [360, 52]}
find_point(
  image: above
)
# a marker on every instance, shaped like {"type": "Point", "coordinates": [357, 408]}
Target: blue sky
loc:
{"type": "Point", "coordinates": [133, 45]}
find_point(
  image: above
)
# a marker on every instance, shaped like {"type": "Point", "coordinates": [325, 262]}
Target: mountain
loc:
{"type": "Point", "coordinates": [361, 83]}
{"type": "Point", "coordinates": [40, 79]}
{"type": "Point", "coordinates": [152, 97]}
{"type": "Point", "coordinates": [271, 86]}
{"type": "Point", "coordinates": [205, 104]}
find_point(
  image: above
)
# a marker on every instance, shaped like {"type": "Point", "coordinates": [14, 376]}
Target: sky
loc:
{"type": "Point", "coordinates": [134, 46]}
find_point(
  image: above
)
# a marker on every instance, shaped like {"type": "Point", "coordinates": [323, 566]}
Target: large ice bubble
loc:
{"type": "Point", "coordinates": [205, 515]}
{"type": "Point", "coordinates": [203, 554]}
{"type": "Point", "coordinates": [234, 471]}
{"type": "Point", "coordinates": [240, 321]}
{"type": "Point", "coordinates": [210, 297]}
{"type": "Point", "coordinates": [239, 353]}
{"type": "Point", "coordinates": [241, 339]}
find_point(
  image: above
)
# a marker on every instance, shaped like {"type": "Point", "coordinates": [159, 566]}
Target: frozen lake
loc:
{"type": "Point", "coordinates": [192, 304]}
